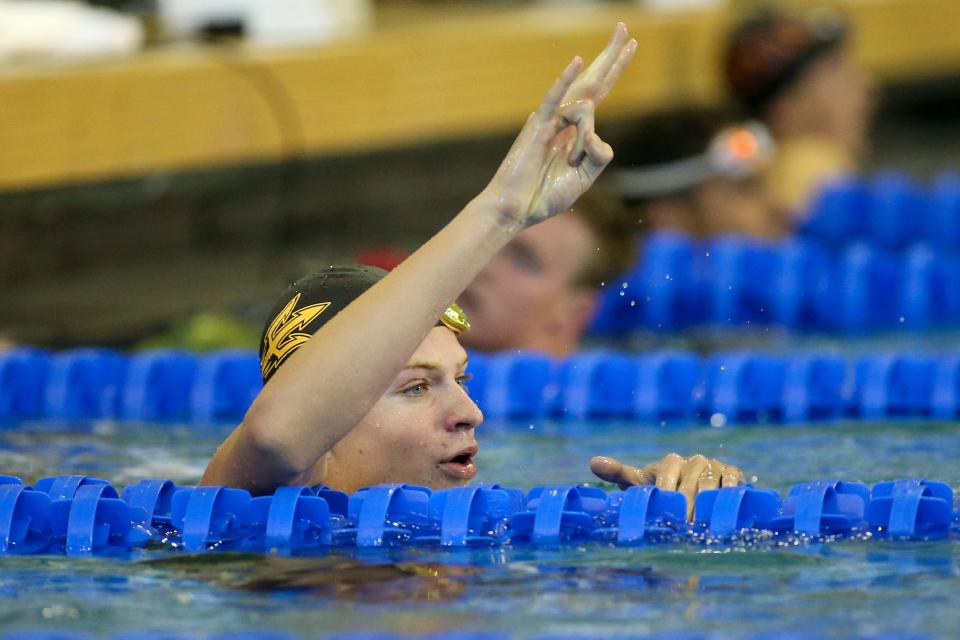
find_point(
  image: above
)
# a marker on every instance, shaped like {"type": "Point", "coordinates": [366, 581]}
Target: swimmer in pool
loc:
{"type": "Point", "coordinates": [364, 385]}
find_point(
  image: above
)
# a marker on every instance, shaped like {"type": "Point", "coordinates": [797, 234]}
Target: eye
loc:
{"type": "Point", "coordinates": [415, 390]}
{"type": "Point", "coordinates": [464, 379]}
{"type": "Point", "coordinates": [523, 258]}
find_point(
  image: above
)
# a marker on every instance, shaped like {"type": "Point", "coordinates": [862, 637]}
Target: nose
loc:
{"type": "Point", "coordinates": [463, 412]}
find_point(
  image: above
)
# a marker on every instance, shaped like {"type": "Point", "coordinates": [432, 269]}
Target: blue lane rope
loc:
{"type": "Point", "coordinates": [874, 253]}
{"type": "Point", "coordinates": [888, 210]}
{"type": "Point", "coordinates": [680, 282]}
{"type": "Point", "coordinates": [739, 386]}
{"type": "Point", "coordinates": [80, 516]}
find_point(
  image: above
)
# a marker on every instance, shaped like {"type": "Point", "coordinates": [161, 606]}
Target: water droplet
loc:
{"type": "Point", "coordinates": [718, 420]}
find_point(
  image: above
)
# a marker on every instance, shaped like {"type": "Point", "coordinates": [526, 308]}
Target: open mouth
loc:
{"type": "Point", "coordinates": [463, 465]}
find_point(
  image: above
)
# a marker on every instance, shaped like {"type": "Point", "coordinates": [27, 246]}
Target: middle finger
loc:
{"type": "Point", "coordinates": [668, 472]}
{"type": "Point", "coordinates": [619, 66]}
{"type": "Point", "coordinates": [710, 477]}
{"type": "Point", "coordinates": [691, 472]}
{"type": "Point", "coordinates": [602, 64]}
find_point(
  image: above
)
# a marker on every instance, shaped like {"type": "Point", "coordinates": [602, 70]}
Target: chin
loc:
{"type": "Point", "coordinates": [445, 483]}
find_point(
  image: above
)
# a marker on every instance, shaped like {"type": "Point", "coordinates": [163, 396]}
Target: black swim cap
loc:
{"type": "Point", "coordinates": [310, 302]}
{"type": "Point", "coordinates": [770, 49]}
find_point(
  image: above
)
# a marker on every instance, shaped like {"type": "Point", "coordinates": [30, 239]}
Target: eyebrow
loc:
{"type": "Point", "coordinates": [522, 247]}
{"type": "Point", "coordinates": [433, 366]}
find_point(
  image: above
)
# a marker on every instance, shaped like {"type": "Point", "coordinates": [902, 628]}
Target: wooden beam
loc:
{"type": "Point", "coordinates": [452, 75]}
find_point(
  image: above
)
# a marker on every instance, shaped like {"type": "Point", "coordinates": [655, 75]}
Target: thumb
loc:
{"type": "Point", "coordinates": [624, 475]}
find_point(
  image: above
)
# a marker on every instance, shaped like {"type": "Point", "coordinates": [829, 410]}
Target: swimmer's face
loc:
{"type": "Point", "coordinates": [528, 296]}
{"type": "Point", "coordinates": [420, 431]}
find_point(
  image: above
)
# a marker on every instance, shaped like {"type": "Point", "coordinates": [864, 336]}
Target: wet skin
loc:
{"type": "Point", "coordinates": [420, 431]}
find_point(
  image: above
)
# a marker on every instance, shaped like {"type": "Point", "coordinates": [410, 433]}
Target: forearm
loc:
{"type": "Point", "coordinates": [245, 461]}
{"type": "Point", "coordinates": [327, 386]}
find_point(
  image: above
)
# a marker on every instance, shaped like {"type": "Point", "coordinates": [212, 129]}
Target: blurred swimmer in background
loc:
{"type": "Point", "coordinates": [542, 290]}
{"type": "Point", "coordinates": [798, 74]}
{"type": "Point", "coordinates": [691, 171]}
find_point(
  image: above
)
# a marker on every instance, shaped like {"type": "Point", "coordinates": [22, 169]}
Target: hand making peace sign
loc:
{"type": "Point", "coordinates": [558, 155]}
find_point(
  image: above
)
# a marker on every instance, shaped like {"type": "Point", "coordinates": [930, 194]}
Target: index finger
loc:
{"type": "Point", "coordinates": [551, 101]}
{"type": "Point", "coordinates": [624, 475]}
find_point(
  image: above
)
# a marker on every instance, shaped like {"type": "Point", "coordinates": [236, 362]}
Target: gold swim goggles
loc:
{"type": "Point", "coordinates": [455, 319]}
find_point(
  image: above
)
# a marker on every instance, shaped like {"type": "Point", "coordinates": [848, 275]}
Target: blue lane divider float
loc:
{"type": "Point", "coordinates": [723, 512]}
{"type": "Point", "coordinates": [814, 388]}
{"type": "Point", "coordinates": [892, 385]}
{"type": "Point", "coordinates": [99, 522]}
{"type": "Point", "coordinates": [151, 503]}
{"type": "Point", "coordinates": [84, 383]}
{"type": "Point", "coordinates": [212, 517]}
{"type": "Point", "coordinates": [822, 508]}
{"type": "Point", "coordinates": [294, 518]}
{"type": "Point", "coordinates": [23, 379]}
{"type": "Point", "coordinates": [474, 516]}
{"type": "Point", "coordinates": [643, 513]}
{"type": "Point", "coordinates": [24, 520]}
{"type": "Point", "coordinates": [389, 514]}
{"type": "Point", "coordinates": [888, 210]}
{"type": "Point", "coordinates": [158, 385]}
{"type": "Point", "coordinates": [911, 508]}
{"type": "Point", "coordinates": [557, 515]}
{"type": "Point", "coordinates": [742, 386]}
{"type": "Point", "coordinates": [75, 515]}
{"type": "Point", "coordinates": [225, 384]}
{"type": "Point", "coordinates": [796, 284]}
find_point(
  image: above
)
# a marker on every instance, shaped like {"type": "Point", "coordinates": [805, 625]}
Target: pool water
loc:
{"type": "Point", "coordinates": [750, 589]}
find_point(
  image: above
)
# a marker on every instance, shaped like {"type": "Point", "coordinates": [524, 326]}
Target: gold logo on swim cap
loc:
{"type": "Point", "coordinates": [455, 319]}
{"type": "Point", "coordinates": [284, 334]}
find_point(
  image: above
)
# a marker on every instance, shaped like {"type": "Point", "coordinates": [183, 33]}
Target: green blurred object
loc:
{"type": "Point", "coordinates": [206, 331]}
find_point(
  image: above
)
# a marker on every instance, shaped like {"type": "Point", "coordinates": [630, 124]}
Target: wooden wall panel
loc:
{"type": "Point", "coordinates": [445, 76]}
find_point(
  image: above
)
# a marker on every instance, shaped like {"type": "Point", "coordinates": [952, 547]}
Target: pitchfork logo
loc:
{"type": "Point", "coordinates": [285, 333]}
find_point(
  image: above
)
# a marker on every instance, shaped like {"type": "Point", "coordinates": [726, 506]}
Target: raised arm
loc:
{"type": "Point", "coordinates": [327, 386]}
